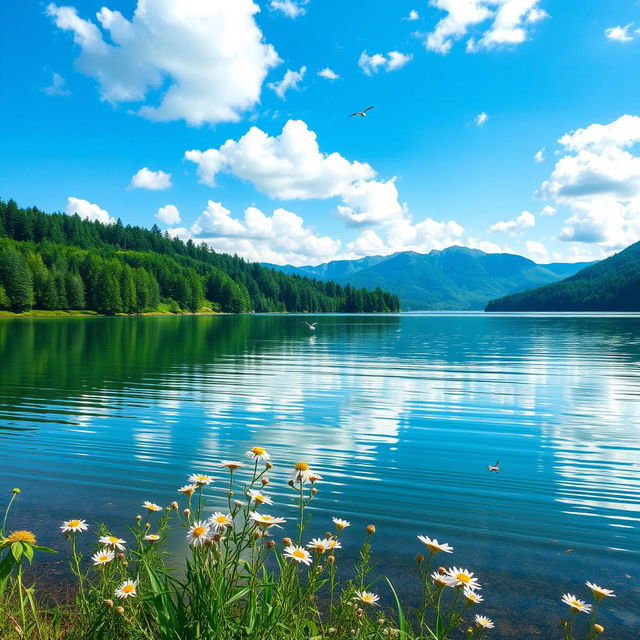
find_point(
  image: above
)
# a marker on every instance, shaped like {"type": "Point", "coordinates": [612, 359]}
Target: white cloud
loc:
{"type": "Point", "coordinates": [88, 211]}
{"type": "Point", "coordinates": [169, 214]}
{"type": "Point", "coordinates": [525, 220]}
{"type": "Point", "coordinates": [206, 60]}
{"type": "Point", "coordinates": [598, 177]}
{"type": "Point", "coordinates": [619, 34]}
{"type": "Point", "coordinates": [281, 238]}
{"type": "Point", "coordinates": [536, 251]}
{"type": "Point", "coordinates": [391, 62]}
{"type": "Point", "coordinates": [548, 211]}
{"type": "Point", "coordinates": [507, 23]}
{"type": "Point", "coordinates": [292, 167]}
{"type": "Point", "coordinates": [58, 86]}
{"type": "Point", "coordinates": [328, 73]}
{"type": "Point", "coordinates": [486, 245]}
{"type": "Point", "coordinates": [291, 80]}
{"type": "Point", "coordinates": [152, 180]}
{"type": "Point", "coordinates": [413, 15]}
{"type": "Point", "coordinates": [539, 155]}
{"type": "Point", "coordinates": [289, 8]}
{"type": "Point", "coordinates": [481, 119]}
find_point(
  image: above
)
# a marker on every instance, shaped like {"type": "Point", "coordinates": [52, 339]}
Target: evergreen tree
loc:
{"type": "Point", "coordinates": [17, 280]}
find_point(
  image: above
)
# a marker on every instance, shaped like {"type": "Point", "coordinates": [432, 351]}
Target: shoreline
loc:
{"type": "Point", "coordinates": [41, 313]}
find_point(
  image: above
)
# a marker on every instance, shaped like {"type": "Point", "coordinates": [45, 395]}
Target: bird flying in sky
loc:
{"type": "Point", "coordinates": [362, 113]}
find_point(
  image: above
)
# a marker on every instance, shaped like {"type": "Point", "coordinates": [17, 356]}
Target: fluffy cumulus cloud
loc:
{"type": "Point", "coordinates": [598, 177]}
{"type": "Point", "coordinates": [619, 34]}
{"type": "Point", "coordinates": [536, 251]}
{"type": "Point", "coordinates": [205, 59]}
{"type": "Point", "coordinates": [87, 210]}
{"type": "Point", "coordinates": [169, 214]}
{"type": "Point", "coordinates": [413, 15]}
{"type": "Point", "coordinates": [526, 220]}
{"type": "Point", "coordinates": [145, 178]}
{"type": "Point", "coordinates": [58, 86]}
{"type": "Point", "coordinates": [291, 80]}
{"type": "Point", "coordinates": [281, 238]}
{"type": "Point", "coordinates": [488, 23]}
{"type": "Point", "coordinates": [378, 62]}
{"type": "Point", "coordinates": [290, 8]}
{"type": "Point", "coordinates": [328, 74]}
{"type": "Point", "coordinates": [481, 119]}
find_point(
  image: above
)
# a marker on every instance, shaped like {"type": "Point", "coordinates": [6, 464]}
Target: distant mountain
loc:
{"type": "Point", "coordinates": [610, 285]}
{"type": "Point", "coordinates": [456, 278]}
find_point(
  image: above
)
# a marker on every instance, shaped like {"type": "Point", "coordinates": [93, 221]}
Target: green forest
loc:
{"type": "Point", "coordinates": [62, 262]}
{"type": "Point", "coordinates": [610, 285]}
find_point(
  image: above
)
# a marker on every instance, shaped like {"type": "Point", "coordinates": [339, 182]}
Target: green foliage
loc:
{"type": "Point", "coordinates": [610, 285]}
{"type": "Point", "coordinates": [55, 261]}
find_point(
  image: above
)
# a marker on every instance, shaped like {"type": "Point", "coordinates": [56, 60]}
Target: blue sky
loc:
{"type": "Point", "coordinates": [97, 102]}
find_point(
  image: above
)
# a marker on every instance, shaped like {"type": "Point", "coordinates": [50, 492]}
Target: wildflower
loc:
{"type": "Point", "coordinates": [151, 506]}
{"type": "Point", "coordinates": [440, 579]}
{"type": "Point", "coordinates": [333, 543]}
{"type": "Point", "coordinates": [598, 628]}
{"type": "Point", "coordinates": [108, 603]}
{"type": "Point", "coordinates": [297, 554]}
{"type": "Point", "coordinates": [126, 590]}
{"type": "Point", "coordinates": [112, 541]}
{"type": "Point", "coordinates": [462, 578]}
{"type": "Point", "coordinates": [219, 521]}
{"type": "Point", "coordinates": [258, 453]}
{"type": "Point", "coordinates": [258, 497]}
{"type": "Point", "coordinates": [471, 596]}
{"type": "Point", "coordinates": [435, 546]}
{"type": "Point", "coordinates": [265, 520]}
{"type": "Point", "coordinates": [231, 464]}
{"type": "Point", "coordinates": [188, 489]}
{"type": "Point", "coordinates": [484, 622]}
{"type": "Point", "coordinates": [340, 523]}
{"type": "Point", "coordinates": [103, 556]}
{"type": "Point", "coordinates": [21, 536]}
{"type": "Point", "coordinates": [74, 526]}
{"type": "Point", "coordinates": [174, 505]}
{"type": "Point", "coordinates": [200, 479]}
{"type": "Point", "coordinates": [579, 606]}
{"type": "Point", "coordinates": [318, 545]}
{"type": "Point", "coordinates": [367, 597]}
{"type": "Point", "coordinates": [313, 476]}
{"type": "Point", "coordinates": [15, 491]}
{"type": "Point", "coordinates": [120, 610]}
{"type": "Point", "coordinates": [198, 533]}
{"type": "Point", "coordinates": [371, 529]}
{"type": "Point", "coordinates": [239, 503]}
{"type": "Point", "coordinates": [600, 592]}
{"type": "Point", "coordinates": [302, 473]}
{"type": "Point", "coordinates": [152, 537]}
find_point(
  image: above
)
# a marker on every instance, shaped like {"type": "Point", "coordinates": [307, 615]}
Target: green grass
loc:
{"type": "Point", "coordinates": [239, 580]}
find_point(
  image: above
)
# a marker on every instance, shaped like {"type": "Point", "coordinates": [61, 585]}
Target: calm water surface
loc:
{"type": "Point", "coordinates": [401, 415]}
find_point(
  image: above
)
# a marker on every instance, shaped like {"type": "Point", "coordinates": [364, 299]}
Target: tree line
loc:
{"type": "Point", "coordinates": [57, 261]}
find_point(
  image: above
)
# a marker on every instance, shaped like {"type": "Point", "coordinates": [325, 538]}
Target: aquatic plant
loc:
{"type": "Point", "coordinates": [239, 580]}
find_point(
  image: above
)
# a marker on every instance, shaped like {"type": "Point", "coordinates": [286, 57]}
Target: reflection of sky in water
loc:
{"type": "Point", "coordinates": [401, 415]}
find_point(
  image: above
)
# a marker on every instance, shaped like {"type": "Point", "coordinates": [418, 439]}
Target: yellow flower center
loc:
{"type": "Point", "coordinates": [463, 577]}
{"type": "Point", "coordinates": [73, 523]}
{"type": "Point", "coordinates": [259, 451]}
{"type": "Point", "coordinates": [198, 531]}
{"type": "Point", "coordinates": [367, 598]}
{"type": "Point", "coordinates": [128, 588]}
{"type": "Point", "coordinates": [22, 536]}
{"type": "Point", "coordinates": [113, 539]}
{"type": "Point", "coordinates": [299, 553]}
{"type": "Point", "coordinates": [104, 558]}
{"type": "Point", "coordinates": [302, 466]}
{"type": "Point", "coordinates": [221, 519]}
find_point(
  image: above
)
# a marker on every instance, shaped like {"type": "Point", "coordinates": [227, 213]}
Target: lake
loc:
{"type": "Point", "coordinates": [401, 414]}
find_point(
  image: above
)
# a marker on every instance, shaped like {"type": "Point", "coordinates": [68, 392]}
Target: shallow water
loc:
{"type": "Point", "coordinates": [401, 414]}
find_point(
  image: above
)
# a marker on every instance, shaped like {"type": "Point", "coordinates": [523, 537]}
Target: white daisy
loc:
{"type": "Point", "coordinates": [188, 489]}
{"type": "Point", "coordinates": [577, 605]}
{"type": "Point", "coordinates": [484, 622]}
{"type": "Point", "coordinates": [333, 543]}
{"type": "Point", "coordinates": [231, 464]}
{"type": "Point", "coordinates": [319, 545]}
{"type": "Point", "coordinates": [600, 592]}
{"type": "Point", "coordinates": [103, 556]}
{"type": "Point", "coordinates": [200, 479]}
{"type": "Point", "coordinates": [74, 526]}
{"type": "Point", "coordinates": [152, 537]}
{"type": "Point", "coordinates": [302, 473]}
{"type": "Point", "coordinates": [126, 590]}
{"type": "Point", "coordinates": [198, 533]}
{"type": "Point", "coordinates": [258, 497]}
{"type": "Point", "coordinates": [297, 554]}
{"type": "Point", "coordinates": [367, 597]}
{"type": "Point", "coordinates": [219, 521]}
{"type": "Point", "coordinates": [340, 523]}
{"type": "Point", "coordinates": [435, 546]}
{"type": "Point", "coordinates": [151, 506]}
{"type": "Point", "coordinates": [112, 541]}
{"type": "Point", "coordinates": [265, 520]}
{"type": "Point", "coordinates": [441, 579]}
{"type": "Point", "coordinates": [257, 453]}
{"type": "Point", "coordinates": [472, 596]}
{"type": "Point", "coordinates": [462, 578]}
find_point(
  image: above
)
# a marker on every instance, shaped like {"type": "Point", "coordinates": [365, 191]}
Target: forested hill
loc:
{"type": "Point", "coordinates": [57, 261]}
{"type": "Point", "coordinates": [610, 285]}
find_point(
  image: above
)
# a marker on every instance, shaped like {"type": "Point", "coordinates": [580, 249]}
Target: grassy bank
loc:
{"type": "Point", "coordinates": [241, 579]}
{"type": "Point", "coordinates": [162, 310]}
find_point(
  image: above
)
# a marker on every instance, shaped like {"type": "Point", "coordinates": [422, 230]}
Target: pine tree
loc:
{"type": "Point", "coordinates": [17, 280]}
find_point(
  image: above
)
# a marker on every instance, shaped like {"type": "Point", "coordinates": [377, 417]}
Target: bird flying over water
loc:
{"type": "Point", "coordinates": [362, 113]}
{"type": "Point", "coordinates": [311, 326]}
{"type": "Point", "coordinates": [494, 467]}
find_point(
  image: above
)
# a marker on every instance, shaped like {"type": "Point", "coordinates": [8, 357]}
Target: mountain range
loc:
{"type": "Point", "coordinates": [610, 285]}
{"type": "Point", "coordinates": [456, 278]}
